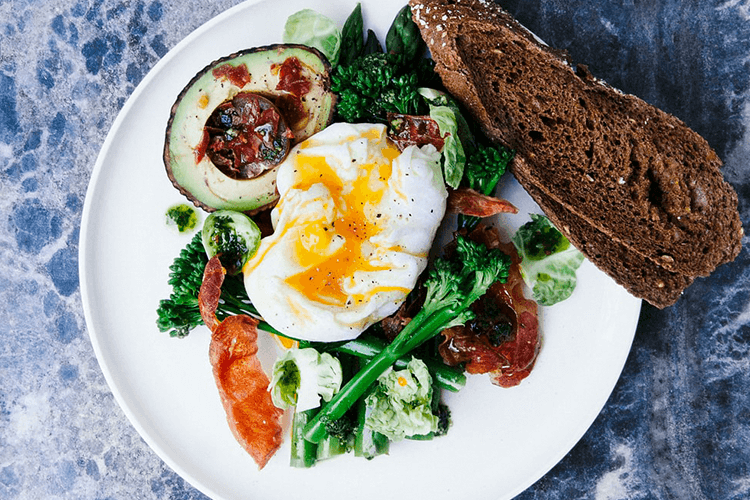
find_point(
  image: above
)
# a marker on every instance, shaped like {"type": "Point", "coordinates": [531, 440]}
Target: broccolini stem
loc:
{"type": "Point", "coordinates": [367, 442]}
{"type": "Point", "coordinates": [435, 323]}
{"type": "Point", "coordinates": [315, 430]}
{"type": "Point", "coordinates": [230, 301]}
{"type": "Point", "coordinates": [231, 308]}
{"type": "Point", "coordinates": [424, 326]}
{"type": "Point", "coordinates": [304, 454]}
{"type": "Point", "coordinates": [367, 347]}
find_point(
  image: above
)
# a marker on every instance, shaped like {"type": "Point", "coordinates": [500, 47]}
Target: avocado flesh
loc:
{"type": "Point", "coordinates": [194, 175]}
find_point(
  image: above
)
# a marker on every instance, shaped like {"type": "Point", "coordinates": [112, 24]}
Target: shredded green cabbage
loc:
{"type": "Point", "coordinates": [308, 27]}
{"type": "Point", "coordinates": [446, 114]}
{"type": "Point", "coordinates": [301, 377]}
{"type": "Point", "coordinates": [401, 403]}
{"type": "Point", "coordinates": [548, 260]}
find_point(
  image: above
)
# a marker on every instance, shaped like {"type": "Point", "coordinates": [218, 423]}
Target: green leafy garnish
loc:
{"type": "Point", "coordinates": [308, 27]}
{"type": "Point", "coordinates": [233, 236]}
{"type": "Point", "coordinates": [548, 260]}
{"type": "Point", "coordinates": [454, 130]}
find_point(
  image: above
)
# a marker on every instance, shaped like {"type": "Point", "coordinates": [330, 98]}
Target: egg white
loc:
{"type": "Point", "coordinates": [352, 231]}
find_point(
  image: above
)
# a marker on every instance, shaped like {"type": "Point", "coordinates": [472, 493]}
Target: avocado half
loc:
{"type": "Point", "coordinates": [295, 78]}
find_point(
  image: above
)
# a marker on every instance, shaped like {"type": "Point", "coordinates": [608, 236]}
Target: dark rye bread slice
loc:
{"type": "Point", "coordinates": [639, 276]}
{"type": "Point", "coordinates": [637, 174]}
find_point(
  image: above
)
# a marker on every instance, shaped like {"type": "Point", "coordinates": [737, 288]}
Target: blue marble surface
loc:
{"type": "Point", "coordinates": [677, 425]}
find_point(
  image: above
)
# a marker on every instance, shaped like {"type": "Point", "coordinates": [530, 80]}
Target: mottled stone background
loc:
{"type": "Point", "coordinates": [678, 423]}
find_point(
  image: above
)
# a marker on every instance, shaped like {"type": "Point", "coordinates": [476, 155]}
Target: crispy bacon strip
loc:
{"type": "Point", "coordinates": [210, 292]}
{"type": "Point", "coordinates": [243, 388]}
{"type": "Point", "coordinates": [467, 201]}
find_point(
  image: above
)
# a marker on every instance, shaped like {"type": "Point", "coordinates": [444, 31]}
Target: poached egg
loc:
{"type": "Point", "coordinates": [352, 231]}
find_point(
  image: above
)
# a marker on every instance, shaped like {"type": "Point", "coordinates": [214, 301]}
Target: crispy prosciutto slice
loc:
{"type": "Point", "coordinates": [243, 385]}
{"type": "Point", "coordinates": [467, 201]}
{"type": "Point", "coordinates": [210, 292]}
{"type": "Point", "coordinates": [504, 339]}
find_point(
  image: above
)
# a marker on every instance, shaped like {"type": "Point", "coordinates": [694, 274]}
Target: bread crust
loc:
{"type": "Point", "coordinates": [648, 187]}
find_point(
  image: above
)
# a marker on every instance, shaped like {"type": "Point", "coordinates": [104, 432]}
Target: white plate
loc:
{"type": "Point", "coordinates": [502, 440]}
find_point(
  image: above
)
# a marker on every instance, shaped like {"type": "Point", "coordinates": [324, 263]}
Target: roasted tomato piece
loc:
{"type": "Point", "coordinates": [246, 136]}
{"type": "Point", "coordinates": [238, 75]}
{"type": "Point", "coordinates": [477, 342]}
{"type": "Point", "coordinates": [411, 130]}
{"type": "Point", "coordinates": [295, 87]}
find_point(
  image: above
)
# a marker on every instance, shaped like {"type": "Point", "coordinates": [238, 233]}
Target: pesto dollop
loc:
{"type": "Point", "coordinates": [183, 217]}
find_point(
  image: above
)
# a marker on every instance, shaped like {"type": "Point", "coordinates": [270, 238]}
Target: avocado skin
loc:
{"type": "Point", "coordinates": [200, 181]}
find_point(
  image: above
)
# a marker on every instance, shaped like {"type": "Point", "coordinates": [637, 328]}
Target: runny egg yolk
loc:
{"type": "Point", "coordinates": [324, 276]}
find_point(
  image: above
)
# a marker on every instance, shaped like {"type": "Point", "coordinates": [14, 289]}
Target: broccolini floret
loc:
{"type": "Point", "coordinates": [343, 428]}
{"type": "Point", "coordinates": [452, 286]}
{"type": "Point", "coordinates": [371, 82]}
{"type": "Point", "coordinates": [484, 167]}
{"type": "Point", "coordinates": [374, 85]}
{"type": "Point", "coordinates": [179, 314]}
